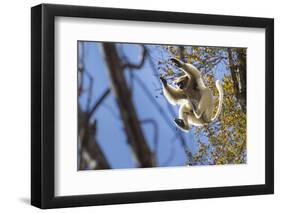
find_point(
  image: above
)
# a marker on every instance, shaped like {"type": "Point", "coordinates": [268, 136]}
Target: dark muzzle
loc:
{"type": "Point", "coordinates": [180, 84]}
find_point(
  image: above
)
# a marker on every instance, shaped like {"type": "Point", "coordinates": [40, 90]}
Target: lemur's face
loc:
{"type": "Point", "coordinates": [182, 82]}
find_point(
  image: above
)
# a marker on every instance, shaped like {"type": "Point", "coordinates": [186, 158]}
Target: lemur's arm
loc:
{"type": "Point", "coordinates": [173, 95]}
{"type": "Point", "coordinates": [192, 72]}
{"type": "Point", "coordinates": [188, 69]}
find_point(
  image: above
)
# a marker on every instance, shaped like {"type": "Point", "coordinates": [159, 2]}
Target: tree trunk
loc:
{"type": "Point", "coordinates": [143, 156]}
{"type": "Point", "coordinates": [238, 74]}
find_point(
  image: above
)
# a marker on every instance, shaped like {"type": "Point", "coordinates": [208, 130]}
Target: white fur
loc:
{"type": "Point", "coordinates": [198, 114]}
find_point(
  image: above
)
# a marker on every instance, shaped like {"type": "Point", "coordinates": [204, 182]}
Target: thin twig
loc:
{"type": "Point", "coordinates": [155, 127]}
{"type": "Point", "coordinates": [98, 102]}
{"type": "Point", "coordinates": [138, 65]}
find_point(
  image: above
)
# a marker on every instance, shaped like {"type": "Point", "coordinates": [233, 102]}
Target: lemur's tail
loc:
{"type": "Point", "coordinates": [220, 89]}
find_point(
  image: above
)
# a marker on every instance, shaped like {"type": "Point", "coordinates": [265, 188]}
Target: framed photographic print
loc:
{"type": "Point", "coordinates": [140, 106]}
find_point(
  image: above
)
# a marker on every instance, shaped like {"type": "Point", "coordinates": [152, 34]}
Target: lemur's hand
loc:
{"type": "Point", "coordinates": [163, 80]}
{"type": "Point", "coordinates": [176, 62]}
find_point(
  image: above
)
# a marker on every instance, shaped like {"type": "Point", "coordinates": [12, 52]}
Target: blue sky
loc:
{"type": "Point", "coordinates": [110, 133]}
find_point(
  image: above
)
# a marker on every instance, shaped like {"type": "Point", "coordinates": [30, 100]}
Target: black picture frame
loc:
{"type": "Point", "coordinates": [43, 102]}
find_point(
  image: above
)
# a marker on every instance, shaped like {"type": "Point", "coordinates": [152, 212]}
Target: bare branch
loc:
{"type": "Point", "coordinates": [170, 157]}
{"type": "Point", "coordinates": [167, 119]}
{"type": "Point", "coordinates": [162, 112]}
{"type": "Point", "coordinates": [155, 127]}
{"type": "Point", "coordinates": [140, 64]}
{"type": "Point", "coordinates": [90, 89]}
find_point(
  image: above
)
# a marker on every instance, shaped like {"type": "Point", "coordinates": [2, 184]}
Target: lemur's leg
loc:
{"type": "Point", "coordinates": [205, 106]}
{"type": "Point", "coordinates": [182, 121]}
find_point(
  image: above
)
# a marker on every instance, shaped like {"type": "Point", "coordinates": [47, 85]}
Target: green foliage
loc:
{"type": "Point", "coordinates": [227, 137]}
{"type": "Point", "coordinates": [223, 141]}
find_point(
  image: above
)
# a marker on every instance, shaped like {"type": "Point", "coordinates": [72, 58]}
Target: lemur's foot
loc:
{"type": "Point", "coordinates": [163, 80]}
{"type": "Point", "coordinates": [176, 62]}
{"type": "Point", "coordinates": [180, 123]}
